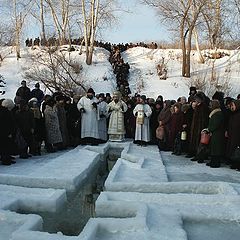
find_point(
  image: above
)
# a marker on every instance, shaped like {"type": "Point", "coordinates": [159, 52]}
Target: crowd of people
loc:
{"type": "Point", "coordinates": [179, 126]}
{"type": "Point", "coordinates": [121, 70]}
{"type": "Point", "coordinates": [52, 41]}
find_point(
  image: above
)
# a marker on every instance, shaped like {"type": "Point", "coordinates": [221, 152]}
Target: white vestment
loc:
{"type": "Point", "coordinates": [142, 132]}
{"type": "Point", "coordinates": [116, 129]}
{"type": "Point", "coordinates": [89, 122]}
{"type": "Point", "coordinates": [102, 123]}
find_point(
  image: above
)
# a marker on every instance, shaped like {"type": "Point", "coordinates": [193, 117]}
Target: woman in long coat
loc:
{"type": "Point", "coordinates": [199, 122]}
{"type": "Point", "coordinates": [233, 129]}
{"type": "Point", "coordinates": [164, 120]}
{"type": "Point", "coordinates": [176, 124]}
{"type": "Point", "coordinates": [53, 133]}
{"type": "Point", "coordinates": [216, 128]}
{"type": "Point", "coordinates": [62, 120]}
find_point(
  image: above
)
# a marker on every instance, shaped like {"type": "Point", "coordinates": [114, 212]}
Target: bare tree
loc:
{"type": "Point", "coordinates": [56, 69]}
{"type": "Point", "coordinates": [213, 19]}
{"type": "Point", "coordinates": [90, 24]}
{"type": "Point", "coordinates": [60, 16]}
{"type": "Point", "coordinates": [20, 11]}
{"type": "Point", "coordinates": [183, 16]}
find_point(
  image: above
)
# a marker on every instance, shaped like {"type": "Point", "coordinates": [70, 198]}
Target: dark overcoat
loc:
{"type": "Point", "coordinates": [6, 130]}
{"type": "Point", "coordinates": [233, 132]}
{"type": "Point", "coordinates": [199, 122]}
{"type": "Point", "coordinates": [216, 127]}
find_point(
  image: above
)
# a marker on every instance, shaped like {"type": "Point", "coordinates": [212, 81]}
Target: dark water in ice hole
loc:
{"type": "Point", "coordinates": [80, 206]}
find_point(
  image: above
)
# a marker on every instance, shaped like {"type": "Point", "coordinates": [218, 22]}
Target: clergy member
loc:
{"type": "Point", "coordinates": [142, 112]}
{"type": "Point", "coordinates": [87, 105]}
{"type": "Point", "coordinates": [103, 114]}
{"type": "Point", "coordinates": [116, 109]}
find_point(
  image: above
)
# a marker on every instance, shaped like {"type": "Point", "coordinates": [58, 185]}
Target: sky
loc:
{"type": "Point", "coordinates": [140, 24]}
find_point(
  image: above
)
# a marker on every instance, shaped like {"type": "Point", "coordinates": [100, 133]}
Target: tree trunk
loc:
{"type": "Point", "coordinates": [183, 46]}
{"type": "Point", "coordinates": [43, 33]}
{"type": "Point", "coordinates": [85, 30]}
{"type": "Point", "coordinates": [93, 29]}
{"type": "Point", "coordinates": [17, 29]}
{"type": "Point", "coordinates": [200, 56]}
{"type": "Point", "coordinates": [188, 55]}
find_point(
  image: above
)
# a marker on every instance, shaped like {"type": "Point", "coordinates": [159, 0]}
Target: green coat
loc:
{"type": "Point", "coordinates": [216, 127]}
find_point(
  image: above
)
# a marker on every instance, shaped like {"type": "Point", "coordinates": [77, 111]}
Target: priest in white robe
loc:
{"type": "Point", "coordinates": [87, 105]}
{"type": "Point", "coordinates": [142, 112]}
{"type": "Point", "coordinates": [116, 109]}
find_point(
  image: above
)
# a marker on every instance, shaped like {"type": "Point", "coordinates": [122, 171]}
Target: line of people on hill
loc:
{"type": "Point", "coordinates": [121, 70]}
{"type": "Point", "coordinates": [29, 42]}
{"type": "Point", "coordinates": [178, 126]}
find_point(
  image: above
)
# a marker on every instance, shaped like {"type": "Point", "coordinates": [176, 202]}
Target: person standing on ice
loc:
{"type": "Point", "coordinates": [142, 112]}
{"type": "Point", "coordinates": [103, 114]}
{"type": "Point", "coordinates": [88, 108]}
{"type": "Point", "coordinates": [116, 108]}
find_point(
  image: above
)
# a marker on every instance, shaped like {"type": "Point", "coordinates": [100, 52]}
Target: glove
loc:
{"type": "Point", "coordinates": [82, 110]}
{"type": "Point", "coordinates": [94, 105]}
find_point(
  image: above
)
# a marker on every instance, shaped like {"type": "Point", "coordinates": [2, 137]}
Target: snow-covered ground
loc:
{"type": "Point", "coordinates": [143, 76]}
{"type": "Point", "coordinates": [148, 195]}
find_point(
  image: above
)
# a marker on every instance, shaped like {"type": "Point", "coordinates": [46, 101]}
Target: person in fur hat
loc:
{"type": "Point", "coordinates": [192, 92]}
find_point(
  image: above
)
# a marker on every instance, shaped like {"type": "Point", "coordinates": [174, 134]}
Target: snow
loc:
{"type": "Point", "coordinates": [143, 76]}
{"type": "Point", "coordinates": [142, 199]}
{"type": "Point", "coordinates": [55, 173]}
{"type": "Point", "coordinates": [148, 195]}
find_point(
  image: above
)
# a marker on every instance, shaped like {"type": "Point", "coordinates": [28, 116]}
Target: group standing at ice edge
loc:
{"type": "Point", "coordinates": [198, 127]}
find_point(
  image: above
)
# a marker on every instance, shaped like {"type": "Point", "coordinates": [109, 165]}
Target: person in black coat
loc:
{"type": "Point", "coordinates": [233, 131]}
{"type": "Point", "coordinates": [25, 124]}
{"type": "Point", "coordinates": [6, 130]}
{"type": "Point", "coordinates": [24, 92]}
{"type": "Point", "coordinates": [130, 120]}
{"type": "Point", "coordinates": [37, 93]}
{"type": "Point", "coordinates": [73, 121]}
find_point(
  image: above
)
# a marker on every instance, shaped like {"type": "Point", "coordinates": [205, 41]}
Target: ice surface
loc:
{"type": "Point", "coordinates": [12, 222]}
{"type": "Point", "coordinates": [212, 229]}
{"type": "Point", "coordinates": [66, 171]}
{"type": "Point", "coordinates": [148, 195]}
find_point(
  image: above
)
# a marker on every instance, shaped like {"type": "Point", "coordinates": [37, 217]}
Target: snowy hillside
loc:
{"type": "Point", "coordinates": [143, 73]}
